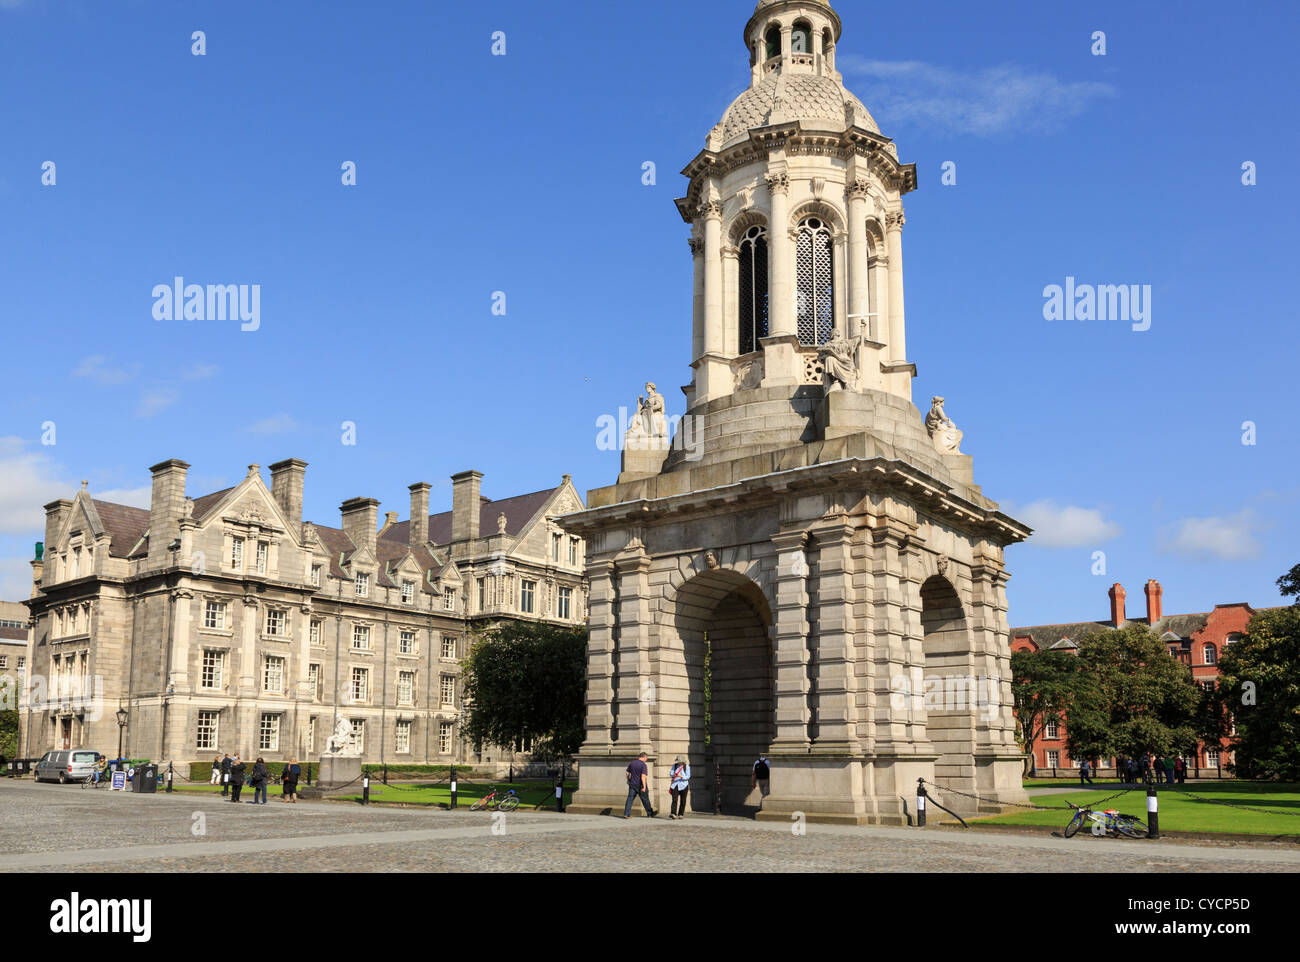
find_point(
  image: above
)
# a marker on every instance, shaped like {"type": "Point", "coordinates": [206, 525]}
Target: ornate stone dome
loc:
{"type": "Point", "coordinates": [817, 100]}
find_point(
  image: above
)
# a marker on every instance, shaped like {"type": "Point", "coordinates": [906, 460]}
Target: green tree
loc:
{"type": "Point", "coordinates": [526, 688]}
{"type": "Point", "coordinates": [1141, 699]}
{"type": "Point", "coordinates": [1044, 687]}
{"type": "Point", "coordinates": [8, 717]}
{"type": "Point", "coordinates": [1259, 689]}
{"type": "Point", "coordinates": [1289, 584]}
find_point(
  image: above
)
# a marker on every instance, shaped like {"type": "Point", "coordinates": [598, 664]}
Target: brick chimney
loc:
{"type": "Point", "coordinates": [466, 502]}
{"type": "Point", "coordinates": [166, 508]}
{"type": "Point", "coordinates": [1154, 592]}
{"type": "Point", "coordinates": [360, 521]}
{"type": "Point", "coordinates": [419, 531]}
{"type": "Point", "coordinates": [1117, 595]}
{"type": "Point", "coordinates": [286, 488]}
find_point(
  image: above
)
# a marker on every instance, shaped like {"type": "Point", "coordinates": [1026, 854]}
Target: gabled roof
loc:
{"type": "Point", "coordinates": [518, 510]}
{"type": "Point", "coordinates": [125, 526]}
{"type": "Point", "coordinates": [205, 505]}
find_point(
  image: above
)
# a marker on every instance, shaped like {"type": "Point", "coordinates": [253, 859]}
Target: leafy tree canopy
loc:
{"type": "Point", "coordinates": [1259, 688]}
{"type": "Point", "coordinates": [1044, 686]}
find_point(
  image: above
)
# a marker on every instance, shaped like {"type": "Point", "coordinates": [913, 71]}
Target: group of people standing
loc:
{"type": "Point", "coordinates": [1168, 768]}
{"type": "Point", "coordinates": [679, 784]}
{"type": "Point", "coordinates": [231, 773]}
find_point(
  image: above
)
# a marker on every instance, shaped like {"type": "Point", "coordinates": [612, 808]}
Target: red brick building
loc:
{"type": "Point", "coordinates": [1197, 640]}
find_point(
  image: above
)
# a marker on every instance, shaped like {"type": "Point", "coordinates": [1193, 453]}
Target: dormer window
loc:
{"type": "Point", "coordinates": [315, 575]}
{"type": "Point", "coordinates": [362, 584]}
{"type": "Point", "coordinates": [408, 592]}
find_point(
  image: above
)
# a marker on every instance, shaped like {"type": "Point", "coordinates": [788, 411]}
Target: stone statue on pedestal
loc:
{"type": "Point", "coordinates": [649, 429]}
{"type": "Point", "coordinates": [944, 434]}
{"type": "Point", "coordinates": [839, 366]}
{"type": "Point", "coordinates": [341, 742]}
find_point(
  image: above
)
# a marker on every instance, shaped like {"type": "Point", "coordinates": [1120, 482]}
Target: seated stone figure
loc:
{"type": "Point", "coordinates": [944, 434]}
{"type": "Point", "coordinates": [839, 368]}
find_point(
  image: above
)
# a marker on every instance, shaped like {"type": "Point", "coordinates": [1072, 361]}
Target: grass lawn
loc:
{"type": "Point", "coordinates": [1179, 813]}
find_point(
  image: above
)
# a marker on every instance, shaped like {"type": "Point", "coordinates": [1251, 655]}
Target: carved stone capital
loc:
{"type": "Point", "coordinates": [858, 190]}
{"type": "Point", "coordinates": [894, 220]}
{"type": "Point", "coordinates": [709, 209]}
{"type": "Point", "coordinates": [778, 183]}
{"type": "Point", "coordinates": [697, 247]}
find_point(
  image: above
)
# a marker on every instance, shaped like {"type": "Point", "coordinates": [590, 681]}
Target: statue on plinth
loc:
{"type": "Point", "coordinates": [341, 741]}
{"type": "Point", "coordinates": [944, 434]}
{"type": "Point", "coordinates": [839, 366]}
{"type": "Point", "coordinates": [649, 428]}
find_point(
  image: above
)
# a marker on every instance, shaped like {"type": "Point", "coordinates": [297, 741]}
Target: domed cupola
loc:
{"type": "Point", "coordinates": [795, 205]}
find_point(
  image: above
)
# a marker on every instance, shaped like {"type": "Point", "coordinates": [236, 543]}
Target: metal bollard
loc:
{"type": "Point", "coordinates": [170, 772]}
{"type": "Point", "coordinates": [1153, 811]}
{"type": "Point", "coordinates": [365, 787]}
{"type": "Point", "coordinates": [920, 803]}
{"type": "Point", "coordinates": [453, 787]}
{"type": "Point", "coordinates": [309, 773]}
{"type": "Point", "coordinates": [559, 791]}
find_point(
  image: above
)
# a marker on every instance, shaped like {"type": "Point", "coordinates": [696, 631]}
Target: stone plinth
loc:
{"type": "Point", "coordinates": [337, 771]}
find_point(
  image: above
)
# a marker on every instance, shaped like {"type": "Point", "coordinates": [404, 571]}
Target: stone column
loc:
{"type": "Point", "coordinates": [897, 338]}
{"type": "Point", "coordinates": [248, 646]}
{"type": "Point", "coordinates": [712, 371]}
{"type": "Point", "coordinates": [178, 674]}
{"type": "Point", "coordinates": [791, 630]}
{"type": "Point", "coordinates": [730, 312]}
{"type": "Point", "coordinates": [697, 325]}
{"type": "Point", "coordinates": [780, 258]}
{"type": "Point", "coordinates": [837, 715]}
{"type": "Point", "coordinates": [859, 289]}
{"type": "Point", "coordinates": [839, 274]}
{"type": "Point", "coordinates": [635, 695]}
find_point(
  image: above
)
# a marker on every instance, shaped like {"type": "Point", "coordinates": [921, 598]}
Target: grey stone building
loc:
{"type": "Point", "coordinates": [227, 623]}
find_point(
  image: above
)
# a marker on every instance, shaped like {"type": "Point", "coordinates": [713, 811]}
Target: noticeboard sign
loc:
{"type": "Point", "coordinates": [119, 782]}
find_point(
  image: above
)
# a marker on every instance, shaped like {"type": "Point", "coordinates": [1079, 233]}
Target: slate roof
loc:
{"type": "Point", "coordinates": [125, 525]}
{"type": "Point", "coordinates": [518, 510]}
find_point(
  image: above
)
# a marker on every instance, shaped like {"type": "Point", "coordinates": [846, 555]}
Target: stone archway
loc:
{"type": "Point", "coordinates": [951, 691]}
{"type": "Point", "coordinates": [723, 621]}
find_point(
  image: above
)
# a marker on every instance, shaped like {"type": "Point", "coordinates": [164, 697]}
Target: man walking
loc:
{"type": "Point", "coordinates": [225, 775]}
{"type": "Point", "coordinates": [638, 786]}
{"type": "Point", "coordinates": [1085, 771]}
{"type": "Point", "coordinates": [761, 777]}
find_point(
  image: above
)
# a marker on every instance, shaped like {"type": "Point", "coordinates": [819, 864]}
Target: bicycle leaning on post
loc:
{"type": "Point", "coordinates": [506, 803]}
{"type": "Point", "coordinates": [1112, 822]}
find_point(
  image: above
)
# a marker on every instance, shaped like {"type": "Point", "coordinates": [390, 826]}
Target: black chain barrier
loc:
{"type": "Point", "coordinates": [1217, 801]}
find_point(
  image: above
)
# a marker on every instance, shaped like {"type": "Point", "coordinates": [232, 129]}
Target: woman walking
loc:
{"type": "Point", "coordinates": [216, 771]}
{"type": "Point", "coordinates": [289, 780]}
{"type": "Point", "coordinates": [678, 787]}
{"type": "Point", "coordinates": [258, 780]}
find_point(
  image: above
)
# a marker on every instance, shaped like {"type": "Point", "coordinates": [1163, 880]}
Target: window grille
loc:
{"type": "Point", "coordinates": [814, 275]}
{"type": "Point", "coordinates": [753, 289]}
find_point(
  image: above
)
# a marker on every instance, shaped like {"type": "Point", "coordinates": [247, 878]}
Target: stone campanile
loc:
{"type": "Point", "coordinates": [809, 572]}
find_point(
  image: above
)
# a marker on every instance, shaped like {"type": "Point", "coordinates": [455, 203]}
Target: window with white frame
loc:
{"type": "Point", "coordinates": [556, 540]}
{"type": "Point", "coordinates": [1211, 654]}
{"type": "Point", "coordinates": [406, 643]}
{"type": "Point", "coordinates": [268, 735]}
{"type": "Point", "coordinates": [564, 603]}
{"type": "Point", "coordinates": [263, 549]}
{"type": "Point", "coordinates": [359, 734]}
{"type": "Point", "coordinates": [1207, 685]}
{"type": "Point", "coordinates": [402, 738]}
{"type": "Point", "coordinates": [1053, 759]}
{"type": "Point", "coordinates": [1232, 639]}
{"type": "Point", "coordinates": [482, 594]}
{"type": "Point", "coordinates": [1211, 758]}
{"type": "Point", "coordinates": [273, 675]}
{"type": "Point", "coordinates": [1052, 729]}
{"type": "Point", "coordinates": [447, 688]}
{"type": "Point", "coordinates": [214, 615]}
{"type": "Point", "coordinates": [22, 663]}
{"type": "Point", "coordinates": [360, 684]}
{"type": "Point", "coordinates": [527, 596]}
{"type": "Point", "coordinates": [444, 738]}
{"type": "Point", "coordinates": [214, 663]}
{"type": "Point", "coordinates": [315, 575]}
{"type": "Point", "coordinates": [362, 584]}
{"type": "Point", "coordinates": [237, 554]}
{"type": "Point", "coordinates": [4, 661]}
{"type": "Point", "coordinates": [313, 679]}
{"type": "Point", "coordinates": [315, 634]}
{"type": "Point", "coordinates": [275, 622]}
{"type": "Point", "coordinates": [360, 637]}
{"type": "Point", "coordinates": [205, 736]}
{"type": "Point", "coordinates": [573, 551]}
{"type": "Point", "coordinates": [406, 688]}
{"type": "Point", "coordinates": [448, 646]}
{"type": "Point", "coordinates": [408, 592]}
{"type": "Point", "coordinates": [449, 599]}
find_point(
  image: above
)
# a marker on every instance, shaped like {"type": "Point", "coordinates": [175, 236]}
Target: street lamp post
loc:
{"type": "Point", "coordinates": [121, 727]}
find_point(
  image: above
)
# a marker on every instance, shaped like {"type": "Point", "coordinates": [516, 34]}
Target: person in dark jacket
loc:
{"type": "Point", "coordinates": [225, 775]}
{"type": "Point", "coordinates": [258, 779]}
{"type": "Point", "coordinates": [289, 780]}
{"type": "Point", "coordinates": [237, 768]}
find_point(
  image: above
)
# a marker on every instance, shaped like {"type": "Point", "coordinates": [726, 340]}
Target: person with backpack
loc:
{"type": "Point", "coordinates": [638, 786]}
{"type": "Point", "coordinates": [762, 775]}
{"type": "Point", "coordinates": [678, 787]}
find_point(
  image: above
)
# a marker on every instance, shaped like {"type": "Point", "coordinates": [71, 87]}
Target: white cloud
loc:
{"type": "Point", "coordinates": [200, 372]}
{"type": "Point", "coordinates": [96, 367]}
{"type": "Point", "coordinates": [27, 482]}
{"type": "Point", "coordinates": [275, 424]}
{"type": "Point", "coordinates": [132, 497]}
{"type": "Point", "coordinates": [1230, 538]}
{"type": "Point", "coordinates": [1065, 525]}
{"type": "Point", "coordinates": [156, 401]}
{"type": "Point", "coordinates": [985, 102]}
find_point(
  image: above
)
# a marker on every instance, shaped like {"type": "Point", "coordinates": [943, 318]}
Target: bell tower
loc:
{"type": "Point", "coordinates": [811, 559]}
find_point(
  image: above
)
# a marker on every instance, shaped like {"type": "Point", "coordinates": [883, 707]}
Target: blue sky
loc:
{"type": "Point", "coordinates": [523, 174]}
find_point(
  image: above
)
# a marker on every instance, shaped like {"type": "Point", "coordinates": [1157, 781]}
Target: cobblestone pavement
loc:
{"type": "Point", "coordinates": [68, 829]}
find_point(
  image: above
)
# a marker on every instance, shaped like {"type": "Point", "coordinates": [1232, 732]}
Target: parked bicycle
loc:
{"type": "Point", "coordinates": [506, 803]}
{"type": "Point", "coordinates": [1114, 822]}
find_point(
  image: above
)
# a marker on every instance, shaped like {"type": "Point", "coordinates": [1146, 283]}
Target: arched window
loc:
{"type": "Point", "coordinates": [801, 39]}
{"type": "Point", "coordinates": [1211, 654]}
{"type": "Point", "coordinates": [773, 40]}
{"type": "Point", "coordinates": [752, 308]}
{"type": "Point", "coordinates": [814, 275]}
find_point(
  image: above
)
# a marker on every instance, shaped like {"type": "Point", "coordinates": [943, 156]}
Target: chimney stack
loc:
{"type": "Point", "coordinates": [286, 488]}
{"type": "Point", "coordinates": [55, 514]}
{"type": "Point", "coordinates": [360, 521]}
{"type": "Point", "coordinates": [419, 531]}
{"type": "Point", "coordinates": [166, 508]}
{"type": "Point", "coordinates": [1117, 595]}
{"type": "Point", "coordinates": [466, 503]}
{"type": "Point", "coordinates": [1154, 608]}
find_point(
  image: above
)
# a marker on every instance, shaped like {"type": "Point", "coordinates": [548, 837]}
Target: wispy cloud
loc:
{"type": "Point", "coordinates": [983, 103]}
{"type": "Point", "coordinates": [275, 424]}
{"type": "Point", "coordinates": [97, 367]}
{"type": "Point", "coordinates": [1228, 538]}
{"type": "Point", "coordinates": [200, 372]}
{"type": "Point", "coordinates": [156, 401]}
{"type": "Point", "coordinates": [28, 480]}
{"type": "Point", "coordinates": [1065, 525]}
{"type": "Point", "coordinates": [133, 497]}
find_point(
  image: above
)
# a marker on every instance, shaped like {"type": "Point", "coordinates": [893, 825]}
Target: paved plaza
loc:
{"type": "Point", "coordinates": [57, 828]}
